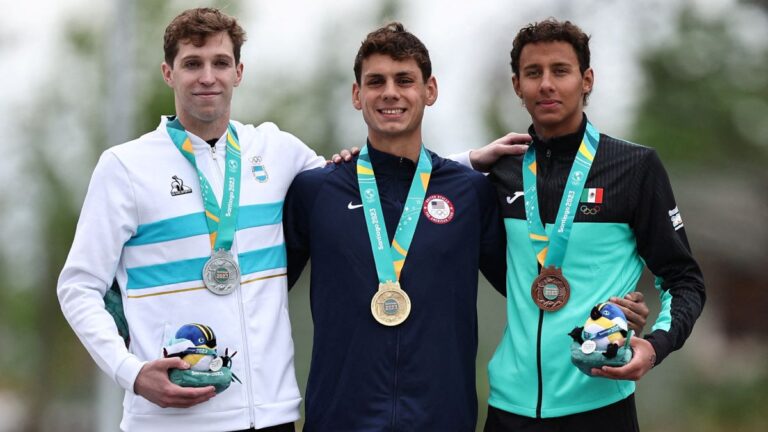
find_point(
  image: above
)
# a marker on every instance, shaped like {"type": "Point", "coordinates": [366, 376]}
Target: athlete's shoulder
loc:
{"type": "Point", "coordinates": [617, 146]}
{"type": "Point", "coordinates": [313, 179]}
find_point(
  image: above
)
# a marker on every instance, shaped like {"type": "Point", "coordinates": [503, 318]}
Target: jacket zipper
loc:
{"type": "Point", "coordinates": [394, 384]}
{"type": "Point", "coordinates": [243, 332]}
{"type": "Point", "coordinates": [539, 373]}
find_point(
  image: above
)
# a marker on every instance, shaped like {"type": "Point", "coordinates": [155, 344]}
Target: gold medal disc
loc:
{"type": "Point", "coordinates": [550, 290]}
{"type": "Point", "coordinates": [390, 305]}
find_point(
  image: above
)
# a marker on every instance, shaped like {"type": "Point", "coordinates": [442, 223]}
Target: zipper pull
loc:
{"type": "Point", "coordinates": [213, 152]}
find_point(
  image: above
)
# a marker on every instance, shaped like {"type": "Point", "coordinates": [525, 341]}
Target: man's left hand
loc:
{"type": "Point", "coordinates": [643, 359]}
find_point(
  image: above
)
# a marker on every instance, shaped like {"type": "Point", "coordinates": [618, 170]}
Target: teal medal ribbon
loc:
{"type": "Point", "coordinates": [550, 290]}
{"type": "Point", "coordinates": [221, 274]}
{"type": "Point", "coordinates": [391, 305]}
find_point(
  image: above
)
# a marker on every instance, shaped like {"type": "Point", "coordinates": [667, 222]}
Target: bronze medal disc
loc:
{"type": "Point", "coordinates": [390, 305]}
{"type": "Point", "coordinates": [550, 290]}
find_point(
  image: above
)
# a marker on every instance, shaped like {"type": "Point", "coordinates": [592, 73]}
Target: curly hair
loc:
{"type": "Point", "coordinates": [195, 25]}
{"type": "Point", "coordinates": [393, 40]}
{"type": "Point", "coordinates": [551, 30]}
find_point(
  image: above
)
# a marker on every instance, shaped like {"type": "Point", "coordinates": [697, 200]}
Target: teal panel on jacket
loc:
{"type": "Point", "coordinates": [192, 269]}
{"type": "Point", "coordinates": [194, 224]}
{"type": "Point", "coordinates": [601, 261]}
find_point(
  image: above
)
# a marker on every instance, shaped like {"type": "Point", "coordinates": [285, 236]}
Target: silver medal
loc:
{"type": "Point", "coordinates": [220, 274]}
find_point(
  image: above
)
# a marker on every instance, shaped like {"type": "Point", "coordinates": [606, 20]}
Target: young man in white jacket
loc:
{"type": "Point", "coordinates": [188, 220]}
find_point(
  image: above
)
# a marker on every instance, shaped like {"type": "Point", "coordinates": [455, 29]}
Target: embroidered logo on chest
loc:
{"type": "Point", "coordinates": [438, 209]}
{"type": "Point", "coordinates": [178, 187]}
{"type": "Point", "coordinates": [259, 170]}
{"type": "Point", "coordinates": [591, 201]}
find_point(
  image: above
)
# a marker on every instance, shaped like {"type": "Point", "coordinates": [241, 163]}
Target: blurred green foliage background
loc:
{"type": "Point", "coordinates": [701, 92]}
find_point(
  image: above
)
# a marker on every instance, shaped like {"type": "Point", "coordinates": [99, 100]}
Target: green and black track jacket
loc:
{"type": "Point", "coordinates": [632, 221]}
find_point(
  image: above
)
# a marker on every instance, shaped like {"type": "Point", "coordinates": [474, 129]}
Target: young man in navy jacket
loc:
{"type": "Point", "coordinates": [396, 330]}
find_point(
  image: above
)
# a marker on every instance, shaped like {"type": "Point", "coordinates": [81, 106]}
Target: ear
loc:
{"type": "Point", "coordinates": [588, 81]}
{"type": "Point", "coordinates": [431, 90]}
{"type": "Point", "coordinates": [516, 86]}
{"type": "Point", "coordinates": [356, 96]}
{"type": "Point", "coordinates": [167, 73]}
{"type": "Point", "coordinates": [239, 74]}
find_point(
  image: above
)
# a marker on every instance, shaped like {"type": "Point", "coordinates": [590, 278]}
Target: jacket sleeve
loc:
{"type": "Point", "coordinates": [296, 212]}
{"type": "Point", "coordinates": [493, 244]}
{"type": "Point", "coordinates": [107, 220]}
{"type": "Point", "coordinates": [662, 242]}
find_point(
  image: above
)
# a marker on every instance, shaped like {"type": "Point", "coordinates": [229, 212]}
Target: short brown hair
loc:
{"type": "Point", "coordinates": [551, 30]}
{"type": "Point", "coordinates": [195, 25]}
{"type": "Point", "coordinates": [393, 40]}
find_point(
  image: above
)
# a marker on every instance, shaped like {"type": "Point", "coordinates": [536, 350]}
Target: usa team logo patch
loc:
{"type": "Point", "coordinates": [438, 209]}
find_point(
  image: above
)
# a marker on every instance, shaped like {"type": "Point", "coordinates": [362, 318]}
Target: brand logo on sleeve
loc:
{"type": "Point", "coordinates": [677, 220]}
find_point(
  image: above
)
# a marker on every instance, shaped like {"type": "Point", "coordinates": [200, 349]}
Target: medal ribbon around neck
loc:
{"type": "Point", "coordinates": [550, 250]}
{"type": "Point", "coordinates": [390, 263]}
{"type": "Point", "coordinates": [222, 220]}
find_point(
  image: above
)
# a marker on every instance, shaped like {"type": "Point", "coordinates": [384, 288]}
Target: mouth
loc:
{"type": "Point", "coordinates": [391, 112]}
{"type": "Point", "coordinates": [206, 94]}
{"type": "Point", "coordinates": [547, 103]}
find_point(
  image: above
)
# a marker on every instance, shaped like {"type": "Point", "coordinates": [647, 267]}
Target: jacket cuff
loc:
{"type": "Point", "coordinates": [461, 158]}
{"type": "Point", "coordinates": [126, 373]}
{"type": "Point", "coordinates": [661, 343]}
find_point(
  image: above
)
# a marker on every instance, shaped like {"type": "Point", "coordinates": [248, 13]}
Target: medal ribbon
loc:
{"type": "Point", "coordinates": [221, 220]}
{"type": "Point", "coordinates": [551, 251]}
{"type": "Point", "coordinates": [389, 264]}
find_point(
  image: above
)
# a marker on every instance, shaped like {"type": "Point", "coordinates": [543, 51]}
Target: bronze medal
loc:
{"type": "Point", "coordinates": [390, 305]}
{"type": "Point", "coordinates": [550, 289]}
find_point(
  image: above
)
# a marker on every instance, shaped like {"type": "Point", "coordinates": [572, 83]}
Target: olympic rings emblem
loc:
{"type": "Point", "coordinates": [589, 211]}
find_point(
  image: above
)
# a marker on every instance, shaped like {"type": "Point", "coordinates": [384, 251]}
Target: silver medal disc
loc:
{"type": "Point", "coordinates": [220, 274]}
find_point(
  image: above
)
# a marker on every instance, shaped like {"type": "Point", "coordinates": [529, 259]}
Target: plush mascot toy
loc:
{"type": "Point", "coordinates": [596, 344]}
{"type": "Point", "coordinates": [196, 345]}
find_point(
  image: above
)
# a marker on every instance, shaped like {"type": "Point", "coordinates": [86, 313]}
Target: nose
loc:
{"type": "Point", "coordinates": [390, 91]}
{"type": "Point", "coordinates": [207, 76]}
{"type": "Point", "coordinates": [547, 84]}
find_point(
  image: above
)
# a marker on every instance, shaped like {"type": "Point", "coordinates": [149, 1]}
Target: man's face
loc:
{"type": "Point", "coordinates": [552, 87]}
{"type": "Point", "coordinates": [202, 79]}
{"type": "Point", "coordinates": [392, 96]}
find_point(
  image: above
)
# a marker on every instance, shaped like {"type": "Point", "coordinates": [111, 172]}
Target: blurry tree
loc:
{"type": "Point", "coordinates": [68, 129]}
{"type": "Point", "coordinates": [705, 96]}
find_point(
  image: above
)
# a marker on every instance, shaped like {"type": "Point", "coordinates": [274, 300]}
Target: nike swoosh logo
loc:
{"type": "Point", "coordinates": [511, 199]}
{"type": "Point", "coordinates": [353, 206]}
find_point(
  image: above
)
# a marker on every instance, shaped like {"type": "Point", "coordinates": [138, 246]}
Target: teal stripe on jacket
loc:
{"type": "Point", "coordinates": [192, 269]}
{"type": "Point", "coordinates": [194, 224]}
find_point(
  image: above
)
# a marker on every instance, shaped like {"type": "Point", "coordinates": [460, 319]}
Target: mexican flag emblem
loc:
{"type": "Point", "coordinates": [592, 195]}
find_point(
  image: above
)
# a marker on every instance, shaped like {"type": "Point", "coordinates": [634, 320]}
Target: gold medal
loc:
{"type": "Point", "coordinates": [550, 289]}
{"type": "Point", "coordinates": [390, 305]}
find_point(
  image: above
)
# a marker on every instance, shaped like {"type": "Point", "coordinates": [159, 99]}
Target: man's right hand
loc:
{"type": "Point", "coordinates": [153, 384]}
{"type": "Point", "coordinates": [510, 144]}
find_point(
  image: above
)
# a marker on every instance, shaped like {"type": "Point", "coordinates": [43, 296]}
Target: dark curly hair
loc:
{"type": "Point", "coordinates": [393, 40]}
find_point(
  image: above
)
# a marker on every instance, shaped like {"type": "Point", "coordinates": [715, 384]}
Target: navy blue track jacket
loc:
{"type": "Point", "coordinates": [420, 375]}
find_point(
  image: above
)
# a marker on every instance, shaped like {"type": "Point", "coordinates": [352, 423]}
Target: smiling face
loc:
{"type": "Point", "coordinates": [392, 95]}
{"type": "Point", "coordinates": [203, 78]}
{"type": "Point", "coordinates": [552, 87]}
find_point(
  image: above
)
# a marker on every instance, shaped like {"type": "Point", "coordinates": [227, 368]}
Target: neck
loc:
{"type": "Point", "coordinates": [404, 149]}
{"type": "Point", "coordinates": [549, 131]}
{"type": "Point", "coordinates": [205, 130]}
